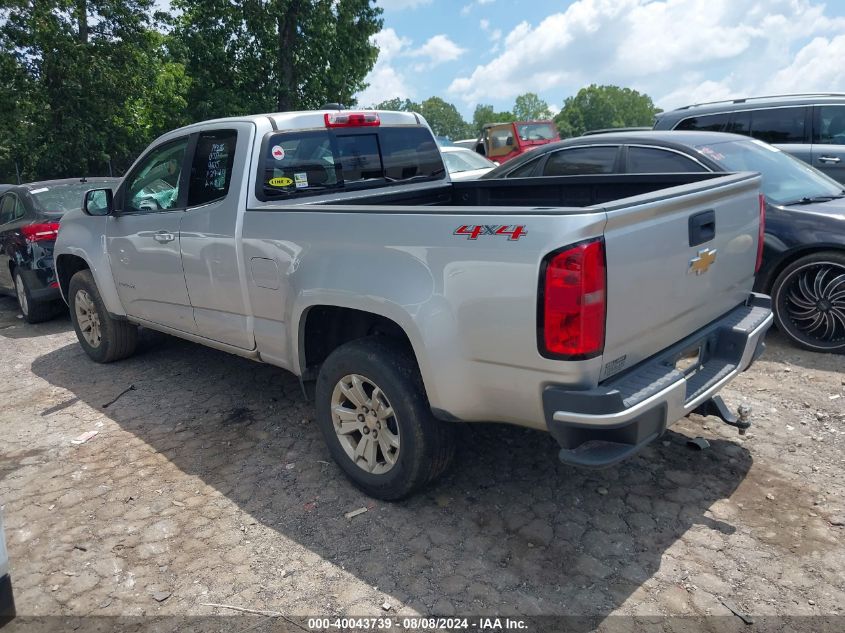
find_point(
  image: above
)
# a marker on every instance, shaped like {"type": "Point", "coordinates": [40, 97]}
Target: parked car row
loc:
{"type": "Point", "coordinates": [804, 251]}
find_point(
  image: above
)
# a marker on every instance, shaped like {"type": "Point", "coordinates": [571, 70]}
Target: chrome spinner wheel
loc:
{"type": "Point", "coordinates": [88, 318]}
{"type": "Point", "coordinates": [365, 424]}
{"type": "Point", "coordinates": [811, 304]}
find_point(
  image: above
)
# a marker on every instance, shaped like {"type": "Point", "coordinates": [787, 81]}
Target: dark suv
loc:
{"type": "Point", "coordinates": [808, 126]}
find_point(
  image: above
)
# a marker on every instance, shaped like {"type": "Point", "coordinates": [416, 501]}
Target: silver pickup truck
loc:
{"type": "Point", "coordinates": [601, 308]}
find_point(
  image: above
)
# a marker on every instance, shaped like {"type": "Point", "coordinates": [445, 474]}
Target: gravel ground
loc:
{"type": "Point", "coordinates": [209, 483]}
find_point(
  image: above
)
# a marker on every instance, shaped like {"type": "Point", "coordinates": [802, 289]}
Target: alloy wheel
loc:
{"type": "Point", "coordinates": [88, 318]}
{"type": "Point", "coordinates": [365, 424]}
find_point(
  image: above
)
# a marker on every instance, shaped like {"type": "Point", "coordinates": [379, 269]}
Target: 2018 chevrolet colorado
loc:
{"type": "Point", "coordinates": [332, 244]}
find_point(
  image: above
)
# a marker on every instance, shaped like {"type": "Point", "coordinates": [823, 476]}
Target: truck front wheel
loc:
{"type": "Point", "coordinates": [375, 418]}
{"type": "Point", "coordinates": [104, 339]}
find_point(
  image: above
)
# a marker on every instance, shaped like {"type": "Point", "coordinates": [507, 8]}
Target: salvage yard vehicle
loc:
{"type": "Point", "coordinates": [502, 141]}
{"type": "Point", "coordinates": [464, 164]}
{"type": "Point", "coordinates": [333, 244]}
{"type": "Point", "coordinates": [810, 126]}
{"type": "Point", "coordinates": [29, 223]}
{"type": "Point", "coordinates": [803, 265]}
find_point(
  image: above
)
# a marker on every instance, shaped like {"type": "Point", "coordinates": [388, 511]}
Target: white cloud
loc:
{"type": "Point", "coordinates": [484, 24]}
{"type": "Point", "coordinates": [809, 72]}
{"type": "Point", "coordinates": [398, 5]}
{"type": "Point", "coordinates": [385, 81]}
{"type": "Point", "coordinates": [438, 49]}
{"type": "Point", "coordinates": [679, 51]}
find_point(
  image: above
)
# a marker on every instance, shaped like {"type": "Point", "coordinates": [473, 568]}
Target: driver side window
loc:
{"type": "Point", "coordinates": [156, 184]}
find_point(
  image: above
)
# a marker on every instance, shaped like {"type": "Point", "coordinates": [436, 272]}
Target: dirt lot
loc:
{"type": "Point", "coordinates": [209, 483]}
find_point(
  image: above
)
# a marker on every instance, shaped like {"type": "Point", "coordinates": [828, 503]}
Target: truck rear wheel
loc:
{"type": "Point", "coordinates": [104, 339]}
{"type": "Point", "coordinates": [375, 418]}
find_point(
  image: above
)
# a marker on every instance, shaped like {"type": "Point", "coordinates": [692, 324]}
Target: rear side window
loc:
{"type": "Point", "coordinates": [305, 163]}
{"type": "Point", "coordinates": [581, 160]}
{"type": "Point", "coordinates": [830, 125]}
{"type": "Point", "coordinates": [211, 170]}
{"type": "Point", "coordinates": [649, 160]}
{"type": "Point", "coordinates": [525, 171]}
{"type": "Point", "coordinates": [7, 208]}
{"type": "Point", "coordinates": [779, 125]}
{"type": "Point", "coordinates": [706, 123]}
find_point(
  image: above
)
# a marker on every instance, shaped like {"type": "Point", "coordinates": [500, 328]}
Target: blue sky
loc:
{"type": "Point", "coordinates": [677, 51]}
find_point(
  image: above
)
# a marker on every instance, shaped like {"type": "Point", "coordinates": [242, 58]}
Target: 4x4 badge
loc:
{"type": "Point", "coordinates": [701, 263]}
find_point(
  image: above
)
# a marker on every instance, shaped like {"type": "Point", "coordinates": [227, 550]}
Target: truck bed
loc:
{"type": "Point", "coordinates": [470, 303]}
{"type": "Point", "coordinates": [530, 193]}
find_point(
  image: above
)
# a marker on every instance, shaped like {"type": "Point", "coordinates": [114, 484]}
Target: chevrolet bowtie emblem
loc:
{"type": "Point", "coordinates": [701, 263]}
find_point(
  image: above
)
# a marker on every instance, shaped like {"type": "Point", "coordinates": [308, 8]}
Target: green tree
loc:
{"type": "Point", "coordinates": [596, 107]}
{"type": "Point", "coordinates": [485, 114]}
{"type": "Point", "coordinates": [75, 67]}
{"type": "Point", "coordinates": [530, 107]}
{"type": "Point", "coordinates": [399, 105]}
{"type": "Point", "coordinates": [444, 118]}
{"type": "Point", "coordinates": [247, 56]}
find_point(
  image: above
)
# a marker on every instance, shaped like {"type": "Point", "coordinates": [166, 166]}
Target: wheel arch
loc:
{"type": "Point", "coordinates": [323, 327]}
{"type": "Point", "coordinates": [66, 267]}
{"type": "Point", "coordinates": [766, 283]}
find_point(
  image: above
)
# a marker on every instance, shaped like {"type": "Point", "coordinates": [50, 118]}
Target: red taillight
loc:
{"type": "Point", "coordinates": [760, 234]}
{"type": "Point", "coordinates": [40, 232]}
{"type": "Point", "coordinates": [574, 301]}
{"type": "Point", "coordinates": [352, 119]}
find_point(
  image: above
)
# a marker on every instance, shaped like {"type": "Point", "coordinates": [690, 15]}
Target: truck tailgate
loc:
{"type": "Point", "coordinates": [660, 288]}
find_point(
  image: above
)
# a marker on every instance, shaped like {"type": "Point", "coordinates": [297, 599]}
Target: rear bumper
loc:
{"type": "Point", "coordinates": [42, 283]}
{"type": "Point", "coordinates": [602, 426]}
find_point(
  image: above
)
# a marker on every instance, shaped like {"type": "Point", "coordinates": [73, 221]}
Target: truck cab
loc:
{"type": "Point", "coordinates": [502, 141]}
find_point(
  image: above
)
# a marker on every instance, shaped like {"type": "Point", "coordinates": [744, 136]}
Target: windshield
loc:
{"type": "Point", "coordinates": [465, 160]}
{"type": "Point", "coordinates": [65, 197]}
{"type": "Point", "coordinates": [535, 131]}
{"type": "Point", "coordinates": [786, 180]}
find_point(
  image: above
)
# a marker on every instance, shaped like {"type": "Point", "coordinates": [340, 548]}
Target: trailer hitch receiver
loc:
{"type": "Point", "coordinates": [716, 406]}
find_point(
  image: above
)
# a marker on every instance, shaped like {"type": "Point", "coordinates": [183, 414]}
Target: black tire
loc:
{"type": "Point", "coordinates": [808, 297]}
{"type": "Point", "coordinates": [117, 338]}
{"type": "Point", "coordinates": [33, 311]}
{"type": "Point", "coordinates": [426, 444]}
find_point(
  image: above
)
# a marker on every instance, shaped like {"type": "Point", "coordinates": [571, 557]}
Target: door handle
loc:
{"type": "Point", "coordinates": [829, 159]}
{"type": "Point", "coordinates": [163, 237]}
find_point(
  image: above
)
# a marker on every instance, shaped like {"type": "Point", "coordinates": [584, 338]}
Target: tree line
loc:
{"type": "Point", "coordinates": [592, 108]}
{"type": "Point", "coordinates": [87, 84]}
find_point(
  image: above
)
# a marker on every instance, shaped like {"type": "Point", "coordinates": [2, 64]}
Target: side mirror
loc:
{"type": "Point", "coordinates": [99, 202]}
{"type": "Point", "coordinates": [509, 141]}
